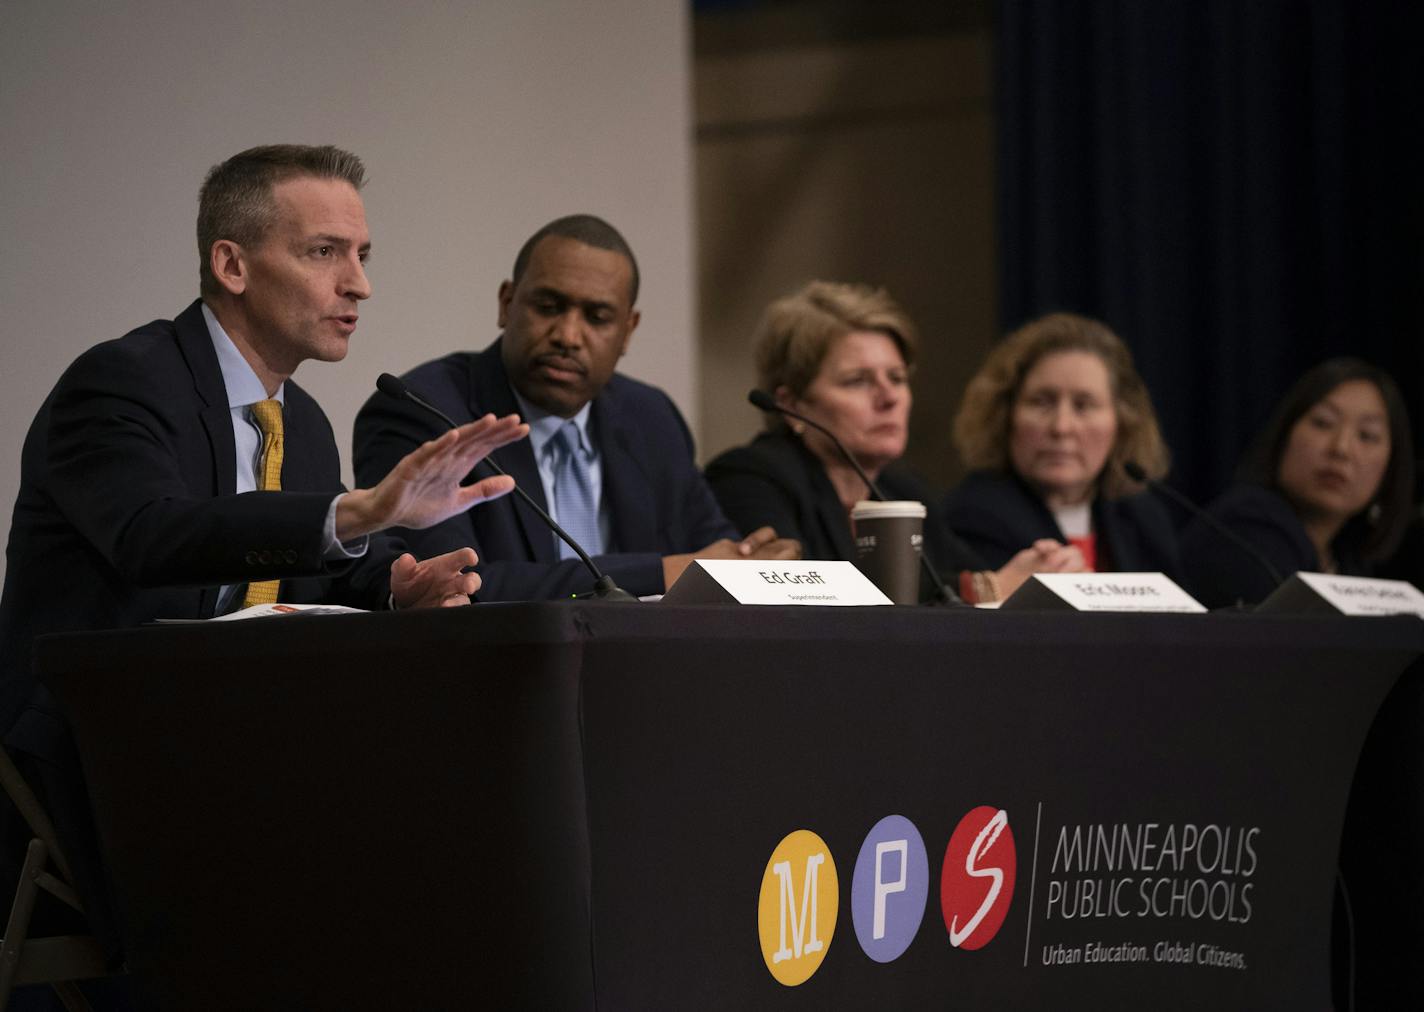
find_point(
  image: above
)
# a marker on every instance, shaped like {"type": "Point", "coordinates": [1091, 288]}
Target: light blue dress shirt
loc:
{"type": "Point", "coordinates": [243, 390]}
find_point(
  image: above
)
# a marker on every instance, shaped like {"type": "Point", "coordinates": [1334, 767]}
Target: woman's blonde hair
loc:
{"type": "Point", "coordinates": [796, 332]}
{"type": "Point", "coordinates": [981, 429]}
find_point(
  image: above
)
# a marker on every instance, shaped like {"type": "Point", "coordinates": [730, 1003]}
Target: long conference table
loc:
{"type": "Point", "coordinates": [573, 805]}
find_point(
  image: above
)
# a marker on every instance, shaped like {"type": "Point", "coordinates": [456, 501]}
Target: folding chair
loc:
{"type": "Point", "coordinates": [59, 960]}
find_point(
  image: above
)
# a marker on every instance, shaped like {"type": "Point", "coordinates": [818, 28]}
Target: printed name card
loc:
{"type": "Point", "coordinates": [749, 581]}
{"type": "Point", "coordinates": [1102, 592]}
{"type": "Point", "coordinates": [1304, 593]}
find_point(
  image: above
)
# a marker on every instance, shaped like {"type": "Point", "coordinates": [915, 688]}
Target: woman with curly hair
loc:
{"type": "Point", "coordinates": [1048, 423]}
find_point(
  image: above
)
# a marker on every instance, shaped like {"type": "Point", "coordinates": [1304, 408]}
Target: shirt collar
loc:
{"type": "Point", "coordinates": [543, 425]}
{"type": "Point", "coordinates": [243, 386]}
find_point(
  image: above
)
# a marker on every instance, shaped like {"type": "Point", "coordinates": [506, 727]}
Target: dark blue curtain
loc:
{"type": "Point", "coordinates": [1235, 186]}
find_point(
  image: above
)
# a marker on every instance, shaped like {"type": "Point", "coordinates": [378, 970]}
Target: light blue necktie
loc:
{"type": "Point", "coordinates": [574, 507]}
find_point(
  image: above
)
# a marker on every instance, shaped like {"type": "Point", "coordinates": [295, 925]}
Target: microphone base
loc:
{"type": "Point", "coordinates": [948, 599]}
{"type": "Point", "coordinates": [606, 590]}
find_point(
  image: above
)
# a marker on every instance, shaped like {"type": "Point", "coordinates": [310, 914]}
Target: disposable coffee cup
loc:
{"type": "Point", "coordinates": [889, 537]}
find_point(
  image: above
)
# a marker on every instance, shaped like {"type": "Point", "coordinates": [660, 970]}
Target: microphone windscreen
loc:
{"type": "Point", "coordinates": [390, 385]}
{"type": "Point", "coordinates": [763, 400]}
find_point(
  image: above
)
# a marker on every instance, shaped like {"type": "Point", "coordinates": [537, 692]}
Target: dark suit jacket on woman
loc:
{"type": "Point", "coordinates": [1219, 573]}
{"type": "Point", "coordinates": [999, 515]}
{"type": "Point", "coordinates": [775, 480]}
{"type": "Point", "coordinates": [657, 501]}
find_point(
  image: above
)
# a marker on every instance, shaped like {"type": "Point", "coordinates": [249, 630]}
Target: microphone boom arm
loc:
{"type": "Point", "coordinates": [603, 586]}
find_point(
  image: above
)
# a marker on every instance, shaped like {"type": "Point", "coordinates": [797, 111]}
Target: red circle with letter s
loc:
{"type": "Point", "coordinates": [976, 884]}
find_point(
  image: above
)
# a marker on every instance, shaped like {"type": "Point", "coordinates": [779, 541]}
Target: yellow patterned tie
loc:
{"type": "Point", "coordinates": [268, 416]}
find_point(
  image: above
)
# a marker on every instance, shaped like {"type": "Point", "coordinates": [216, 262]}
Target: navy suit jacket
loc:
{"type": "Point", "coordinates": [999, 515]}
{"type": "Point", "coordinates": [657, 500]}
{"type": "Point", "coordinates": [127, 513]}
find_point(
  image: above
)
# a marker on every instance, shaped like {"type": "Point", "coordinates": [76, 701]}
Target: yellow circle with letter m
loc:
{"type": "Point", "coordinates": [796, 913]}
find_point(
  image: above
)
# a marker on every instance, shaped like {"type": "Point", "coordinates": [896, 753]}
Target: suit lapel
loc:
{"type": "Point", "coordinates": [490, 391]}
{"type": "Point", "coordinates": [196, 346]}
{"type": "Point", "coordinates": [631, 499]}
{"type": "Point", "coordinates": [836, 524]}
{"type": "Point", "coordinates": [829, 512]}
{"type": "Point", "coordinates": [304, 469]}
{"type": "Point", "coordinates": [1045, 524]}
{"type": "Point", "coordinates": [1111, 555]}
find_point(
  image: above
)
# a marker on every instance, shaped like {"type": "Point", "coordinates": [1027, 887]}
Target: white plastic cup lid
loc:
{"type": "Point", "coordinates": [870, 509]}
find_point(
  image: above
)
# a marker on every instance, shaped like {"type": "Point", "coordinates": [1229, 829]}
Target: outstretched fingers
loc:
{"type": "Point", "coordinates": [481, 437]}
{"type": "Point", "coordinates": [484, 490]}
{"type": "Point", "coordinates": [457, 451]}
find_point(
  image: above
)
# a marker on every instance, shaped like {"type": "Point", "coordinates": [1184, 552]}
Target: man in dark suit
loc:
{"type": "Point", "coordinates": [145, 492]}
{"type": "Point", "coordinates": [611, 457]}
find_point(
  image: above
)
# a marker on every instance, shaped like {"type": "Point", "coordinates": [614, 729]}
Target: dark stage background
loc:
{"type": "Point", "coordinates": [1235, 187]}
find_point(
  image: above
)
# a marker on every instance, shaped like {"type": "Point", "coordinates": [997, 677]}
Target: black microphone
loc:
{"type": "Point", "coordinates": [763, 400]}
{"type": "Point", "coordinates": [604, 587]}
{"type": "Point", "coordinates": [1134, 471]}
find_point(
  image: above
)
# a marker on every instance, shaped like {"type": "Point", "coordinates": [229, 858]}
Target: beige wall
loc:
{"type": "Point", "coordinates": [477, 122]}
{"type": "Point", "coordinates": [849, 161]}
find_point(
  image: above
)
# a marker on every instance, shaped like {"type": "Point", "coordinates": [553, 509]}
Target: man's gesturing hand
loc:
{"type": "Point", "coordinates": [424, 488]}
{"type": "Point", "coordinates": [440, 582]}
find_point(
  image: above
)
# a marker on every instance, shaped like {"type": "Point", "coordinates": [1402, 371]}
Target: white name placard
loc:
{"type": "Point", "coordinates": [749, 581]}
{"type": "Point", "coordinates": [1348, 595]}
{"type": "Point", "coordinates": [1103, 592]}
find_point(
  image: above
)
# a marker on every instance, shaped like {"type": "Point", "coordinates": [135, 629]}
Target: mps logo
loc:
{"type": "Point", "coordinates": [976, 884]}
{"type": "Point", "coordinates": [800, 892]}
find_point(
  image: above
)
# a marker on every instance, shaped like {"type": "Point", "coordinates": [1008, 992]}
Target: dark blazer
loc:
{"type": "Point", "coordinates": [658, 503]}
{"type": "Point", "coordinates": [1219, 573]}
{"type": "Point", "coordinates": [776, 480]}
{"type": "Point", "coordinates": [127, 513]}
{"type": "Point", "coordinates": [999, 516]}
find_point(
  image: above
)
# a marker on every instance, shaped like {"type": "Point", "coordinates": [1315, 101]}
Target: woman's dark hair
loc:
{"type": "Point", "coordinates": [1374, 537]}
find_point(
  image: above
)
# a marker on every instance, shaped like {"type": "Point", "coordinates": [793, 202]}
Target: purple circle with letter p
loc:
{"type": "Point", "coordinates": [889, 888]}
